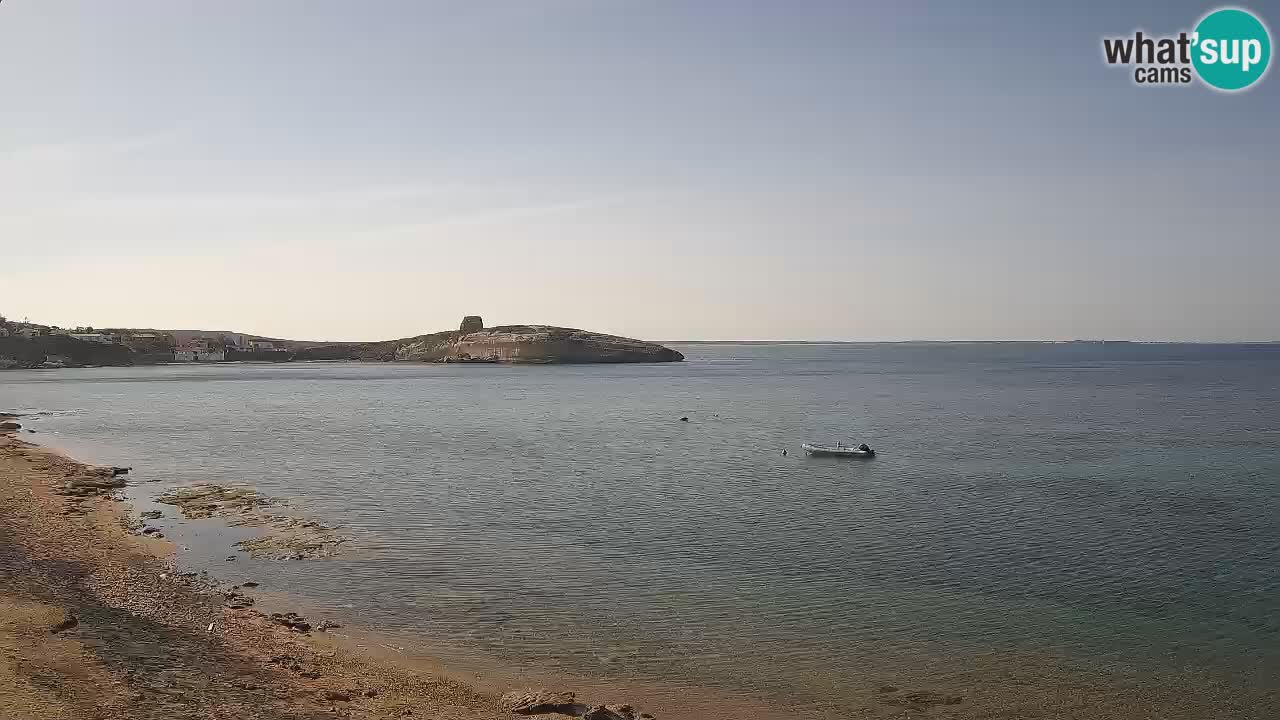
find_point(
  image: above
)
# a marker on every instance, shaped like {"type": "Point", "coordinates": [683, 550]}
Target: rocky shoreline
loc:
{"type": "Point", "coordinates": [97, 622]}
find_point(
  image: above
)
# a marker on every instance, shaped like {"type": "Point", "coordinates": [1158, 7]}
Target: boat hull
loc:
{"type": "Point", "coordinates": [835, 451]}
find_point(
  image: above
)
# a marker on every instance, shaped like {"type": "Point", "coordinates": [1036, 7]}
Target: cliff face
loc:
{"type": "Point", "coordinates": [534, 344]}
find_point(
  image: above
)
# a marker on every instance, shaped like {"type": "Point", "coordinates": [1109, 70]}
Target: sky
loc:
{"type": "Point", "coordinates": [659, 169]}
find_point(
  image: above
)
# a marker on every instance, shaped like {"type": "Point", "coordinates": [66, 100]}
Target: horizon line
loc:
{"type": "Point", "coordinates": [922, 341]}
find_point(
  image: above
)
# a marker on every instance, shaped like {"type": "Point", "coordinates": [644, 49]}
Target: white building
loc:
{"type": "Point", "coordinates": [238, 341]}
{"type": "Point", "coordinates": [196, 351]}
{"type": "Point", "coordinates": [96, 337]}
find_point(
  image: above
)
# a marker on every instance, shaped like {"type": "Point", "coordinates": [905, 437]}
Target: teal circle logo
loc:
{"type": "Point", "coordinates": [1232, 49]}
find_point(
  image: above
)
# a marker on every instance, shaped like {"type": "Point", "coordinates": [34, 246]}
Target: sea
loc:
{"type": "Point", "coordinates": [1046, 530]}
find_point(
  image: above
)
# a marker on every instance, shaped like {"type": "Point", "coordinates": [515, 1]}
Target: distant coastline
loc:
{"type": "Point", "coordinates": [28, 346]}
{"type": "Point", "coordinates": [1233, 343]}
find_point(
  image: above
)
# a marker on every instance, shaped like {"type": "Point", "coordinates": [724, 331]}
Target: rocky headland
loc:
{"type": "Point", "coordinates": [532, 344]}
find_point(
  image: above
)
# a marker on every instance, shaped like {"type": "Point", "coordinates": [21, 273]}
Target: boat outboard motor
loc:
{"type": "Point", "coordinates": [863, 447]}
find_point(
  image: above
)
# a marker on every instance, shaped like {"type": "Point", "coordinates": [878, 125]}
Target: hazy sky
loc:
{"type": "Point", "coordinates": [667, 170]}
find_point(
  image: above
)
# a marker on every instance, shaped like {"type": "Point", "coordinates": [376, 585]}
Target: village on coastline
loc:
{"type": "Point", "coordinates": [147, 345]}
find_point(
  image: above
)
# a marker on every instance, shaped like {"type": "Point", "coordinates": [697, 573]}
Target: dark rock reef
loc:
{"type": "Point", "coordinates": [540, 701]}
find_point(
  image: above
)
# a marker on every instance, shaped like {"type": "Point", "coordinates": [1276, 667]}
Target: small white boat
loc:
{"type": "Point", "coordinates": [838, 450]}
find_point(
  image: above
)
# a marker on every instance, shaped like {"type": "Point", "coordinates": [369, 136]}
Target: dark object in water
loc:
{"type": "Point", "coordinates": [684, 419]}
{"type": "Point", "coordinates": [784, 453]}
{"type": "Point", "coordinates": [838, 450]}
{"type": "Point", "coordinates": [291, 620]}
{"type": "Point", "coordinates": [540, 701]}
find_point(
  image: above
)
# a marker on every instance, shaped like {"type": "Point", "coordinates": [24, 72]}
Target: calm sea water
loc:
{"type": "Point", "coordinates": [1046, 526]}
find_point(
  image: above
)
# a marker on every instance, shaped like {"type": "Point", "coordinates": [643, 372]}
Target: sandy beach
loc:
{"type": "Point", "coordinates": [95, 623]}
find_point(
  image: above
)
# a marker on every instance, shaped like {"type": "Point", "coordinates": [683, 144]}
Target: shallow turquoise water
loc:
{"type": "Point", "coordinates": [1066, 510]}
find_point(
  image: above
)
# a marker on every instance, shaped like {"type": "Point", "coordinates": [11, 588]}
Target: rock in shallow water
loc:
{"type": "Point", "coordinates": [293, 621]}
{"type": "Point", "coordinates": [610, 712]}
{"type": "Point", "coordinates": [539, 702]}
